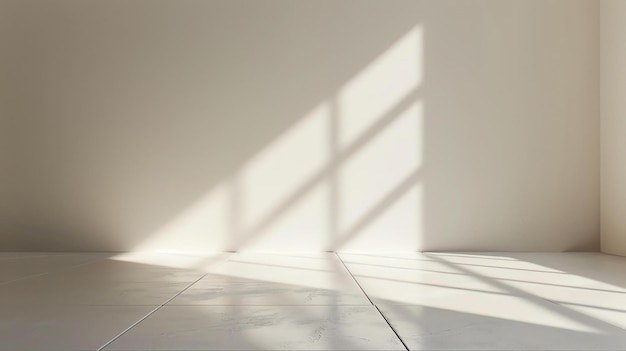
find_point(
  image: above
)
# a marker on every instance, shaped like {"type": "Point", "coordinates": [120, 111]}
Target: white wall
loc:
{"type": "Point", "coordinates": [5, 144]}
{"type": "Point", "coordinates": [613, 122]}
{"type": "Point", "coordinates": [309, 125]}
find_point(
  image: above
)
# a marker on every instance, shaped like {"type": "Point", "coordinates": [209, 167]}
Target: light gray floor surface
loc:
{"type": "Point", "coordinates": [326, 301]}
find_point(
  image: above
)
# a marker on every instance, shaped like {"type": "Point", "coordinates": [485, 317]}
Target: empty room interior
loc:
{"type": "Point", "coordinates": [312, 175]}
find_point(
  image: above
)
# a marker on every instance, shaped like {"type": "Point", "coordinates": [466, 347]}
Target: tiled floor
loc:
{"type": "Point", "coordinates": [327, 301]}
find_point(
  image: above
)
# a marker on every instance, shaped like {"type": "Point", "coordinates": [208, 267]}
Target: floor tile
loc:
{"type": "Point", "coordinates": [219, 290]}
{"type": "Point", "coordinates": [405, 280]}
{"type": "Point", "coordinates": [601, 302]}
{"type": "Point", "coordinates": [31, 254]}
{"type": "Point", "coordinates": [46, 290]}
{"type": "Point", "coordinates": [592, 284]}
{"type": "Point", "coordinates": [16, 267]}
{"type": "Point", "coordinates": [276, 280]}
{"type": "Point", "coordinates": [594, 268]}
{"type": "Point", "coordinates": [203, 263]}
{"type": "Point", "coordinates": [65, 328]}
{"type": "Point", "coordinates": [115, 271]}
{"type": "Point", "coordinates": [435, 301]}
{"type": "Point", "coordinates": [488, 301]}
{"type": "Point", "coordinates": [499, 323]}
{"type": "Point", "coordinates": [578, 269]}
{"type": "Point", "coordinates": [319, 270]}
{"type": "Point", "coordinates": [261, 328]}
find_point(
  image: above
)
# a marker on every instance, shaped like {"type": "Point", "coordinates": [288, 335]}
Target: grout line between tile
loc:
{"type": "Point", "coordinates": [353, 278]}
{"type": "Point", "coordinates": [392, 329]}
{"type": "Point", "coordinates": [23, 278]}
{"type": "Point", "coordinates": [47, 272]}
{"type": "Point", "coordinates": [149, 314]}
{"type": "Point", "coordinates": [34, 256]}
{"type": "Point", "coordinates": [129, 328]}
{"type": "Point", "coordinates": [377, 309]}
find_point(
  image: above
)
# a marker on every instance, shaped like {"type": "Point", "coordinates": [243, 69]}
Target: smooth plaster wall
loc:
{"type": "Point", "coordinates": [5, 134]}
{"type": "Point", "coordinates": [613, 126]}
{"type": "Point", "coordinates": [303, 126]}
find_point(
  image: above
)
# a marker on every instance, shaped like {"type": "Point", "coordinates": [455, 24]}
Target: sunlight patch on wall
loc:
{"type": "Point", "coordinates": [380, 174]}
{"type": "Point", "coordinates": [396, 228]}
{"type": "Point", "coordinates": [201, 227]}
{"type": "Point", "coordinates": [284, 167]}
{"type": "Point", "coordinates": [345, 176]}
{"type": "Point", "coordinates": [380, 86]}
{"type": "Point", "coordinates": [300, 227]}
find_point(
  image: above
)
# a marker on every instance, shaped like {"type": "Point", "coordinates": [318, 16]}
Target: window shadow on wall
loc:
{"type": "Point", "coordinates": [351, 126]}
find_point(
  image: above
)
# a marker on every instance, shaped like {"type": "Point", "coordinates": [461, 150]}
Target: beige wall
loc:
{"type": "Point", "coordinates": [613, 107]}
{"type": "Point", "coordinates": [5, 144]}
{"type": "Point", "coordinates": [308, 125]}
